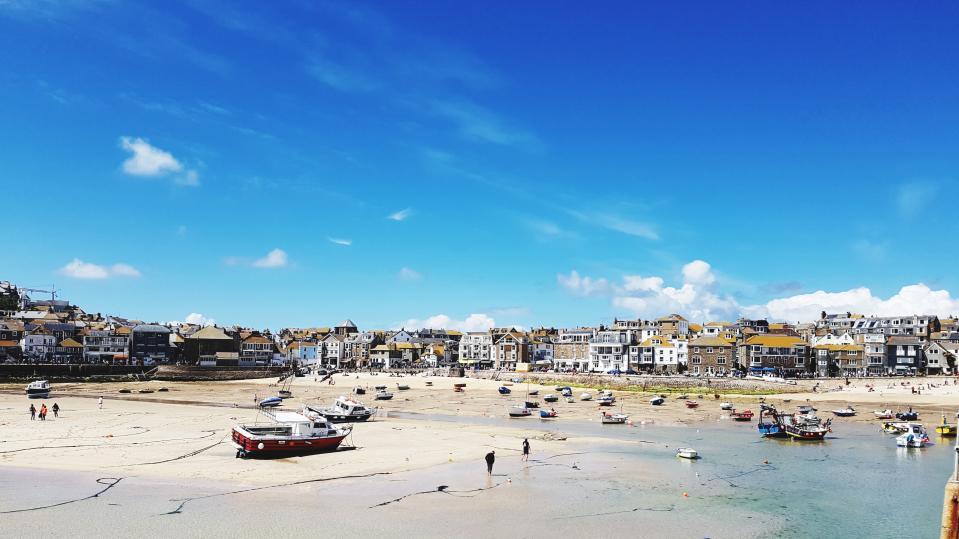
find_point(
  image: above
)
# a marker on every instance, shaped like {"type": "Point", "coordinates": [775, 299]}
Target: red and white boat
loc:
{"type": "Point", "coordinates": [289, 433]}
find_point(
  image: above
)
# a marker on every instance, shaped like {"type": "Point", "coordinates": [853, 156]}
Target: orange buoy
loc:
{"type": "Point", "coordinates": [685, 495]}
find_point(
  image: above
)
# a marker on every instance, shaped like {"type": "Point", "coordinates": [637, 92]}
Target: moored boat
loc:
{"type": "Point", "coordinates": [613, 419]}
{"type": "Point", "coordinates": [284, 393]}
{"type": "Point", "coordinates": [289, 433]}
{"type": "Point", "coordinates": [914, 437]}
{"type": "Point", "coordinates": [402, 387]}
{"type": "Point", "coordinates": [805, 427]}
{"type": "Point", "coordinates": [532, 404]}
{"type": "Point", "coordinates": [344, 410]}
{"type": "Point", "coordinates": [383, 395]}
{"type": "Point", "coordinates": [725, 406]}
{"type": "Point", "coordinates": [271, 402]}
{"type": "Point", "coordinates": [848, 411]}
{"type": "Point", "coordinates": [565, 391]}
{"type": "Point", "coordinates": [586, 397]}
{"type": "Point", "coordinates": [687, 453]}
{"type": "Point", "coordinates": [945, 429]}
{"type": "Point", "coordinates": [883, 414]}
{"type": "Point", "coordinates": [894, 427]}
{"type": "Point", "coordinates": [547, 414]}
{"type": "Point", "coordinates": [692, 404]}
{"type": "Point", "coordinates": [39, 389]}
{"type": "Point", "coordinates": [570, 399]}
{"type": "Point", "coordinates": [745, 415]}
{"type": "Point", "coordinates": [606, 400]}
{"type": "Point", "coordinates": [907, 416]}
{"type": "Point", "coordinates": [550, 398]}
{"type": "Point", "coordinates": [519, 411]}
{"type": "Point", "coordinates": [657, 401]}
{"type": "Point", "coordinates": [503, 390]}
{"type": "Point", "coordinates": [770, 423]}
{"type": "Point", "coordinates": [806, 409]}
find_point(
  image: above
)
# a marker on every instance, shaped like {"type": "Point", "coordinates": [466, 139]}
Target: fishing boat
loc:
{"type": "Point", "coordinates": [725, 406]}
{"type": "Point", "coordinates": [519, 411]}
{"type": "Point", "coordinates": [289, 433]}
{"type": "Point", "coordinates": [806, 409]}
{"type": "Point", "coordinates": [945, 429]}
{"type": "Point", "coordinates": [344, 410]}
{"type": "Point", "coordinates": [687, 453]}
{"type": "Point", "coordinates": [692, 404]}
{"type": "Point", "coordinates": [770, 423]}
{"type": "Point", "coordinates": [383, 395]}
{"type": "Point", "coordinates": [547, 414]}
{"type": "Point", "coordinates": [570, 399]}
{"type": "Point", "coordinates": [284, 393]}
{"type": "Point", "coordinates": [907, 416]}
{"type": "Point", "coordinates": [805, 427]}
{"type": "Point", "coordinates": [550, 398]}
{"type": "Point", "coordinates": [883, 414]}
{"type": "Point", "coordinates": [894, 427]}
{"type": "Point", "coordinates": [606, 400]}
{"type": "Point", "coordinates": [745, 415]}
{"type": "Point", "coordinates": [613, 419]}
{"type": "Point", "coordinates": [657, 401]}
{"type": "Point", "coordinates": [503, 390]}
{"type": "Point", "coordinates": [271, 402]}
{"type": "Point", "coordinates": [848, 411]}
{"type": "Point", "coordinates": [402, 387]}
{"type": "Point", "coordinates": [39, 389]}
{"type": "Point", "coordinates": [914, 437]}
{"type": "Point", "coordinates": [586, 397]}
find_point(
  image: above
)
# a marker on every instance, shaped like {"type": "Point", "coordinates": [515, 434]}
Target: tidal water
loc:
{"type": "Point", "coordinates": [621, 481]}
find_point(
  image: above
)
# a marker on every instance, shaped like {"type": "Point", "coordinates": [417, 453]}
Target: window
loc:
{"type": "Point", "coordinates": [720, 360]}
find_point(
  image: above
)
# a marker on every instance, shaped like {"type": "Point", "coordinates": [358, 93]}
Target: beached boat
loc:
{"type": "Point", "coordinates": [725, 406]}
{"type": "Point", "coordinates": [806, 409]}
{"type": "Point", "coordinates": [429, 384]}
{"type": "Point", "coordinates": [125, 390]}
{"type": "Point", "coordinates": [344, 410]}
{"type": "Point", "coordinates": [379, 388]}
{"type": "Point", "coordinates": [570, 399]}
{"type": "Point", "coordinates": [534, 392]}
{"type": "Point", "coordinates": [907, 416]}
{"type": "Point", "coordinates": [532, 404]}
{"type": "Point", "coordinates": [145, 391]}
{"type": "Point", "coordinates": [692, 404]}
{"type": "Point", "coordinates": [383, 395]}
{"type": "Point", "coordinates": [459, 384]}
{"type": "Point", "coordinates": [565, 391]}
{"type": "Point", "coordinates": [402, 387]}
{"type": "Point", "coordinates": [550, 398]}
{"type": "Point", "coordinates": [39, 389]}
{"type": "Point", "coordinates": [945, 429]}
{"type": "Point", "coordinates": [519, 411]}
{"type": "Point", "coordinates": [914, 437]}
{"type": "Point", "coordinates": [613, 419]}
{"type": "Point", "coordinates": [745, 415]}
{"type": "Point", "coordinates": [894, 427]}
{"type": "Point", "coordinates": [458, 389]}
{"type": "Point", "coordinates": [359, 391]}
{"type": "Point", "coordinates": [606, 400]}
{"type": "Point", "coordinates": [290, 433]}
{"type": "Point", "coordinates": [805, 427]}
{"type": "Point", "coordinates": [503, 390]}
{"type": "Point", "coordinates": [848, 411]}
{"type": "Point", "coordinates": [770, 423]}
{"type": "Point", "coordinates": [883, 414]}
{"type": "Point", "coordinates": [284, 394]}
{"type": "Point", "coordinates": [687, 453]}
{"type": "Point", "coordinates": [683, 396]}
{"type": "Point", "coordinates": [657, 401]}
{"type": "Point", "coordinates": [547, 414]}
{"type": "Point", "coordinates": [271, 402]}
{"type": "Point", "coordinates": [163, 390]}
{"type": "Point", "coordinates": [586, 397]}
{"type": "Point", "coordinates": [516, 380]}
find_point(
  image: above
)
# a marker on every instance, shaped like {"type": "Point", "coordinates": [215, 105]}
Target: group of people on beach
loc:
{"type": "Point", "coordinates": [42, 413]}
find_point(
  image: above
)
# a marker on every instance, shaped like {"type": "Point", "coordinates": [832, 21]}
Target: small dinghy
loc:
{"type": "Point", "coordinates": [945, 429]}
{"type": "Point", "coordinates": [745, 415]}
{"type": "Point", "coordinates": [519, 411]}
{"type": "Point", "coordinates": [429, 384]}
{"type": "Point", "coordinates": [163, 389]}
{"type": "Point", "coordinates": [848, 411]}
{"type": "Point", "coordinates": [271, 402]}
{"type": "Point", "coordinates": [725, 406]}
{"type": "Point", "coordinates": [359, 391]}
{"type": "Point", "coordinates": [565, 391]}
{"type": "Point", "coordinates": [606, 400]}
{"type": "Point", "coordinates": [692, 404]}
{"type": "Point", "coordinates": [883, 414]}
{"type": "Point", "coordinates": [380, 388]}
{"type": "Point", "coordinates": [503, 390]}
{"type": "Point", "coordinates": [534, 392]}
{"type": "Point", "coordinates": [145, 391]}
{"type": "Point", "coordinates": [894, 427]}
{"type": "Point", "coordinates": [383, 395]}
{"type": "Point", "coordinates": [613, 419]}
{"type": "Point", "coordinates": [570, 399]}
{"type": "Point", "coordinates": [806, 409]}
{"type": "Point", "coordinates": [284, 393]}
{"type": "Point", "coordinates": [907, 416]}
{"type": "Point", "coordinates": [586, 397]}
{"type": "Point", "coordinates": [550, 398]}
{"type": "Point", "coordinates": [125, 390]}
{"type": "Point", "coordinates": [402, 387]}
{"type": "Point", "coordinates": [657, 401]}
{"type": "Point", "coordinates": [547, 414]}
{"type": "Point", "coordinates": [687, 453]}
{"type": "Point", "coordinates": [516, 380]}
{"type": "Point", "coordinates": [532, 404]}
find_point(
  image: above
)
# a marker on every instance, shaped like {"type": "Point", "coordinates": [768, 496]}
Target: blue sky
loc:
{"type": "Point", "coordinates": [295, 163]}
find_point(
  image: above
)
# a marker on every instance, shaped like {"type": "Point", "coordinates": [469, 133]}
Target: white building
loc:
{"type": "Point", "coordinates": [476, 347]}
{"type": "Point", "coordinates": [39, 345]}
{"type": "Point", "coordinates": [609, 349]}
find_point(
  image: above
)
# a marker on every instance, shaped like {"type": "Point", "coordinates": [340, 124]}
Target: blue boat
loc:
{"type": "Point", "coordinates": [271, 402]}
{"type": "Point", "coordinates": [547, 414]}
{"type": "Point", "coordinates": [503, 390]}
{"type": "Point", "coordinates": [770, 424]}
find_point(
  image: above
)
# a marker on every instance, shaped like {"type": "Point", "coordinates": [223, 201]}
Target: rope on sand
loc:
{"type": "Point", "coordinates": [110, 482]}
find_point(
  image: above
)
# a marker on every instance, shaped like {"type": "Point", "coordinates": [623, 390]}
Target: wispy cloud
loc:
{"type": "Point", "coordinates": [612, 221]}
{"type": "Point", "coordinates": [147, 160]}
{"type": "Point", "coordinates": [401, 215]}
{"type": "Point", "coordinates": [78, 269]}
{"type": "Point", "coordinates": [479, 123]}
{"type": "Point", "coordinates": [409, 274]}
{"type": "Point", "coordinates": [339, 241]}
{"type": "Point", "coordinates": [276, 258]}
{"type": "Point", "coordinates": [912, 197]}
{"type": "Point", "coordinates": [582, 285]}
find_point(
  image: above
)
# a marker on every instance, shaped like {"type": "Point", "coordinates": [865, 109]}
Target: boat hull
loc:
{"type": "Point", "coordinates": [38, 394]}
{"type": "Point", "coordinates": [268, 446]}
{"type": "Point", "coordinates": [806, 435]}
{"type": "Point", "coordinates": [345, 418]}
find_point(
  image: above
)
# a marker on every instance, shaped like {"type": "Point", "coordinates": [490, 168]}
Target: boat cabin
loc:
{"type": "Point", "coordinates": [291, 424]}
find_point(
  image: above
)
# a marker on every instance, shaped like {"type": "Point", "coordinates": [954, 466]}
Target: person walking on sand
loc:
{"type": "Point", "coordinates": [490, 458]}
{"type": "Point", "coordinates": [33, 412]}
{"type": "Point", "coordinates": [43, 412]}
{"type": "Point", "coordinates": [100, 402]}
{"type": "Point", "coordinates": [56, 409]}
{"type": "Point", "coordinates": [526, 449]}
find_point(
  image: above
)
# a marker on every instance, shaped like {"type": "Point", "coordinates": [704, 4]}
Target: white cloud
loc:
{"type": "Point", "coordinates": [477, 123]}
{"type": "Point", "coordinates": [582, 286]}
{"type": "Point", "coordinates": [78, 269]}
{"type": "Point", "coordinates": [400, 215]}
{"type": "Point", "coordinates": [408, 274]}
{"type": "Point", "coordinates": [274, 259]}
{"type": "Point", "coordinates": [611, 221]}
{"type": "Point", "coordinates": [473, 322]}
{"type": "Point", "coordinates": [198, 319]}
{"type": "Point", "coordinates": [149, 161]}
{"type": "Point", "coordinates": [911, 299]}
{"type": "Point", "coordinates": [346, 243]}
{"type": "Point", "coordinates": [698, 272]}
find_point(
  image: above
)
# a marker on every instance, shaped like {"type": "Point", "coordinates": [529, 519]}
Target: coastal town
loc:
{"type": "Point", "coordinates": [35, 329]}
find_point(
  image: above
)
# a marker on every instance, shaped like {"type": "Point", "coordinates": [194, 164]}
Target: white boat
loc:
{"type": "Point", "coordinates": [687, 453]}
{"type": "Point", "coordinates": [519, 411]}
{"type": "Point", "coordinates": [606, 400]}
{"type": "Point", "coordinates": [884, 414]}
{"type": "Point", "coordinates": [848, 411]}
{"type": "Point", "coordinates": [344, 410]}
{"type": "Point", "coordinates": [613, 419]}
{"type": "Point", "coordinates": [657, 401]}
{"type": "Point", "coordinates": [915, 436]}
{"type": "Point", "coordinates": [39, 389]}
{"type": "Point", "coordinates": [550, 398]}
{"type": "Point", "coordinates": [725, 406]}
{"type": "Point", "coordinates": [570, 399]}
{"type": "Point", "coordinates": [586, 397]}
{"type": "Point", "coordinates": [383, 395]}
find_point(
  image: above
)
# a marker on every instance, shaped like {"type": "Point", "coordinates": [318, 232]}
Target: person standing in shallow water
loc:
{"type": "Point", "coordinates": [526, 449]}
{"type": "Point", "coordinates": [490, 458]}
